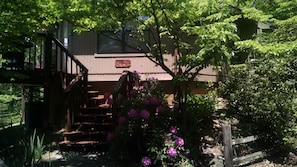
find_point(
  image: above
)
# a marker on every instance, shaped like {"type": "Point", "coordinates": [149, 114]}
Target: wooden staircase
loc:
{"type": "Point", "coordinates": [90, 126]}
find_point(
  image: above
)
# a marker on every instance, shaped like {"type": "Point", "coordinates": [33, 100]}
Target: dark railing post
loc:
{"type": "Point", "coordinates": [47, 72]}
{"type": "Point", "coordinates": [48, 53]}
{"type": "Point", "coordinates": [74, 93]}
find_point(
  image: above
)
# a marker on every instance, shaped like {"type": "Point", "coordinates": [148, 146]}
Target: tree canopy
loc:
{"type": "Point", "coordinates": [199, 31]}
{"type": "Point", "coordinates": [202, 32]}
{"type": "Point", "coordinates": [21, 19]}
{"type": "Point", "coordinates": [262, 92]}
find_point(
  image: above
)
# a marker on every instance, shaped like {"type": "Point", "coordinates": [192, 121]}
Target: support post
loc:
{"type": "Point", "coordinates": [228, 151]}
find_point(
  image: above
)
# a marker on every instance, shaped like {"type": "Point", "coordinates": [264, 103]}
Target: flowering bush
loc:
{"type": "Point", "coordinates": [171, 152]}
{"type": "Point", "coordinates": [146, 132]}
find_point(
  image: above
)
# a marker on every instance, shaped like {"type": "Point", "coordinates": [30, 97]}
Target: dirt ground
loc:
{"type": "Point", "coordinates": [214, 148]}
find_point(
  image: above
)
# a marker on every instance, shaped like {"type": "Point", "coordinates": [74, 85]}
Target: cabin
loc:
{"type": "Point", "coordinates": [65, 78]}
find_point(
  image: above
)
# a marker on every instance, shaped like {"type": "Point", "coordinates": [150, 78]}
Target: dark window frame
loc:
{"type": "Point", "coordinates": [122, 42]}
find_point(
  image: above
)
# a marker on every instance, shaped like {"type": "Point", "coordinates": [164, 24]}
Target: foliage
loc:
{"type": "Point", "coordinates": [261, 92]}
{"type": "Point", "coordinates": [171, 152]}
{"type": "Point", "coordinates": [20, 21]}
{"type": "Point", "coordinates": [198, 111]}
{"type": "Point", "coordinates": [151, 132]}
{"type": "Point", "coordinates": [200, 106]}
{"type": "Point", "coordinates": [196, 33]}
{"type": "Point", "coordinates": [33, 149]}
{"type": "Point", "coordinates": [144, 113]}
{"type": "Point", "coordinates": [32, 15]}
{"type": "Point", "coordinates": [10, 105]}
{"type": "Point", "coordinates": [262, 97]}
{"type": "Point", "coordinates": [281, 39]}
{"type": "Point", "coordinates": [19, 149]}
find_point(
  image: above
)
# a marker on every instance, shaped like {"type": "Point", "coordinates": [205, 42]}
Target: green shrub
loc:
{"type": "Point", "coordinates": [10, 104]}
{"type": "Point", "coordinates": [262, 96]}
{"type": "Point", "coordinates": [20, 148]}
{"type": "Point", "coordinates": [197, 119]}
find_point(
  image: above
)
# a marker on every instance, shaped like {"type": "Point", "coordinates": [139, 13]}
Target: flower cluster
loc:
{"type": "Point", "coordinates": [172, 151]}
{"type": "Point", "coordinates": [144, 103]}
{"type": "Point", "coordinates": [146, 161]}
{"type": "Point", "coordinates": [147, 130]}
{"type": "Point", "coordinates": [173, 142]}
{"type": "Point", "coordinates": [144, 111]}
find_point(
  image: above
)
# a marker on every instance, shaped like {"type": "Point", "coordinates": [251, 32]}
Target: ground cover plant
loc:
{"type": "Point", "coordinates": [21, 148]}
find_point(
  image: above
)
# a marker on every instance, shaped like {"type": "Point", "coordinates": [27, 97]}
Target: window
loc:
{"type": "Point", "coordinates": [121, 42]}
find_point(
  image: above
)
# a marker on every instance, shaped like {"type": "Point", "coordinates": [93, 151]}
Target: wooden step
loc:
{"type": "Point", "coordinates": [84, 135]}
{"type": "Point", "coordinates": [104, 117]}
{"type": "Point", "coordinates": [95, 110]}
{"type": "Point", "coordinates": [93, 93]}
{"type": "Point", "coordinates": [93, 123]}
{"type": "Point", "coordinates": [83, 146]}
{"type": "Point", "coordinates": [95, 101]}
{"type": "Point", "coordinates": [92, 126]}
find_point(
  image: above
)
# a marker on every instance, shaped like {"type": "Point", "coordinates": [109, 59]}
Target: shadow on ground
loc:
{"type": "Point", "coordinates": [74, 159]}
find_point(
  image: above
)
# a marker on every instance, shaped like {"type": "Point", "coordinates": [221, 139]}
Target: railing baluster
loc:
{"type": "Point", "coordinates": [61, 59]}
{"type": "Point", "coordinates": [65, 59]}
{"type": "Point", "coordinates": [41, 65]}
{"type": "Point", "coordinates": [55, 57]}
{"type": "Point", "coordinates": [29, 59]}
{"type": "Point", "coordinates": [71, 66]}
{"type": "Point", "coordinates": [34, 56]}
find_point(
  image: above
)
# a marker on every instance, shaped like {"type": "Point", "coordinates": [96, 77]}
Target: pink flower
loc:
{"type": "Point", "coordinates": [106, 95]}
{"type": "Point", "coordinates": [132, 93]}
{"type": "Point", "coordinates": [160, 109]}
{"type": "Point", "coordinates": [179, 142]}
{"type": "Point", "coordinates": [137, 72]}
{"type": "Point", "coordinates": [146, 161]}
{"type": "Point", "coordinates": [145, 114]}
{"type": "Point", "coordinates": [173, 129]}
{"type": "Point", "coordinates": [109, 101]}
{"type": "Point", "coordinates": [153, 101]}
{"type": "Point", "coordinates": [153, 79]}
{"type": "Point", "coordinates": [132, 113]}
{"type": "Point", "coordinates": [172, 152]}
{"type": "Point", "coordinates": [122, 120]}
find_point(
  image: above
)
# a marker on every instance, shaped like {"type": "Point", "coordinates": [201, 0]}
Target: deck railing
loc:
{"type": "Point", "coordinates": [47, 63]}
{"type": "Point", "coordinates": [56, 61]}
{"type": "Point", "coordinates": [75, 88]}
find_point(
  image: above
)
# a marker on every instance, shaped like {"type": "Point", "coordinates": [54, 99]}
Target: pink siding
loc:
{"type": "Point", "coordinates": [102, 67]}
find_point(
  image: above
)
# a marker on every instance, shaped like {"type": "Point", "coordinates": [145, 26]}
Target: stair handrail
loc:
{"type": "Point", "coordinates": [124, 85]}
{"type": "Point", "coordinates": [70, 55]}
{"type": "Point", "coordinates": [84, 71]}
{"type": "Point", "coordinates": [76, 89]}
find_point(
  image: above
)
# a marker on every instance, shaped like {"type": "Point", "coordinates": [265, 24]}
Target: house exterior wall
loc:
{"type": "Point", "coordinates": [104, 71]}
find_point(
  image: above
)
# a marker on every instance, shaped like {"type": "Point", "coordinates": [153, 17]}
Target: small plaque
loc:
{"type": "Point", "coordinates": [122, 63]}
